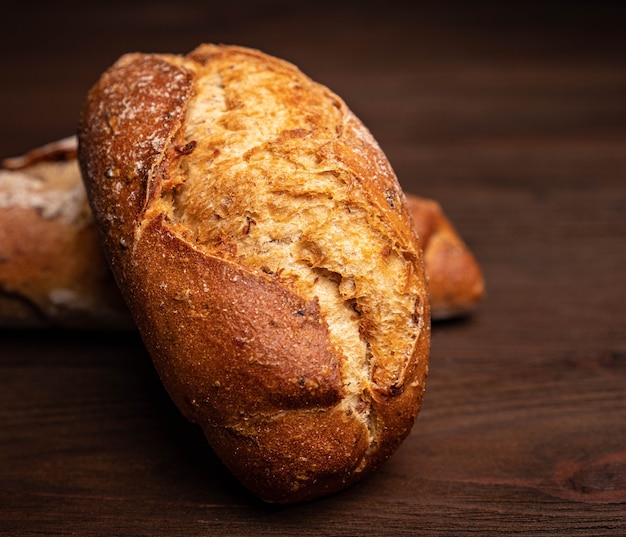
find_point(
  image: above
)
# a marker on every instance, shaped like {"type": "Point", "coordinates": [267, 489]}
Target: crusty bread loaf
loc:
{"type": "Point", "coordinates": [266, 252]}
{"type": "Point", "coordinates": [455, 281]}
{"type": "Point", "coordinates": [52, 272]}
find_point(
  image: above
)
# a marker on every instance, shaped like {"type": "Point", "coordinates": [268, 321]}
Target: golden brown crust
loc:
{"type": "Point", "coordinates": [266, 252]}
{"type": "Point", "coordinates": [455, 281]}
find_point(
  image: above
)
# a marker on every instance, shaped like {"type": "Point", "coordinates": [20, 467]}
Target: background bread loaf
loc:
{"type": "Point", "coordinates": [266, 252]}
{"type": "Point", "coordinates": [455, 281]}
{"type": "Point", "coordinates": [52, 271]}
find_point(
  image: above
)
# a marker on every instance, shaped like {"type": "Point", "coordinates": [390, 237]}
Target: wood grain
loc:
{"type": "Point", "coordinates": [512, 116]}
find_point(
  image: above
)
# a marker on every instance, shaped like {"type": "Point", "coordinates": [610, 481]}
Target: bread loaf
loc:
{"type": "Point", "coordinates": [52, 272]}
{"type": "Point", "coordinates": [265, 250]}
{"type": "Point", "coordinates": [455, 281]}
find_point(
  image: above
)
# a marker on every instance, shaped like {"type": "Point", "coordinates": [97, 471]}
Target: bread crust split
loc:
{"type": "Point", "coordinates": [266, 252]}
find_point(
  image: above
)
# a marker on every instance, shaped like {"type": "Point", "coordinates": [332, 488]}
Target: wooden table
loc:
{"type": "Point", "coordinates": [513, 116]}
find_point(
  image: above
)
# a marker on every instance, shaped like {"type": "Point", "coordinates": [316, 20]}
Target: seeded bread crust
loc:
{"type": "Point", "coordinates": [267, 255]}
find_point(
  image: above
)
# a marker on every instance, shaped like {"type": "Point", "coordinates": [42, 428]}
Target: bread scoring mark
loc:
{"type": "Point", "coordinates": [265, 187]}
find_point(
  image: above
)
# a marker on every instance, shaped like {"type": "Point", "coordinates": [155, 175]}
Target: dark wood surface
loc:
{"type": "Point", "coordinates": [513, 116]}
